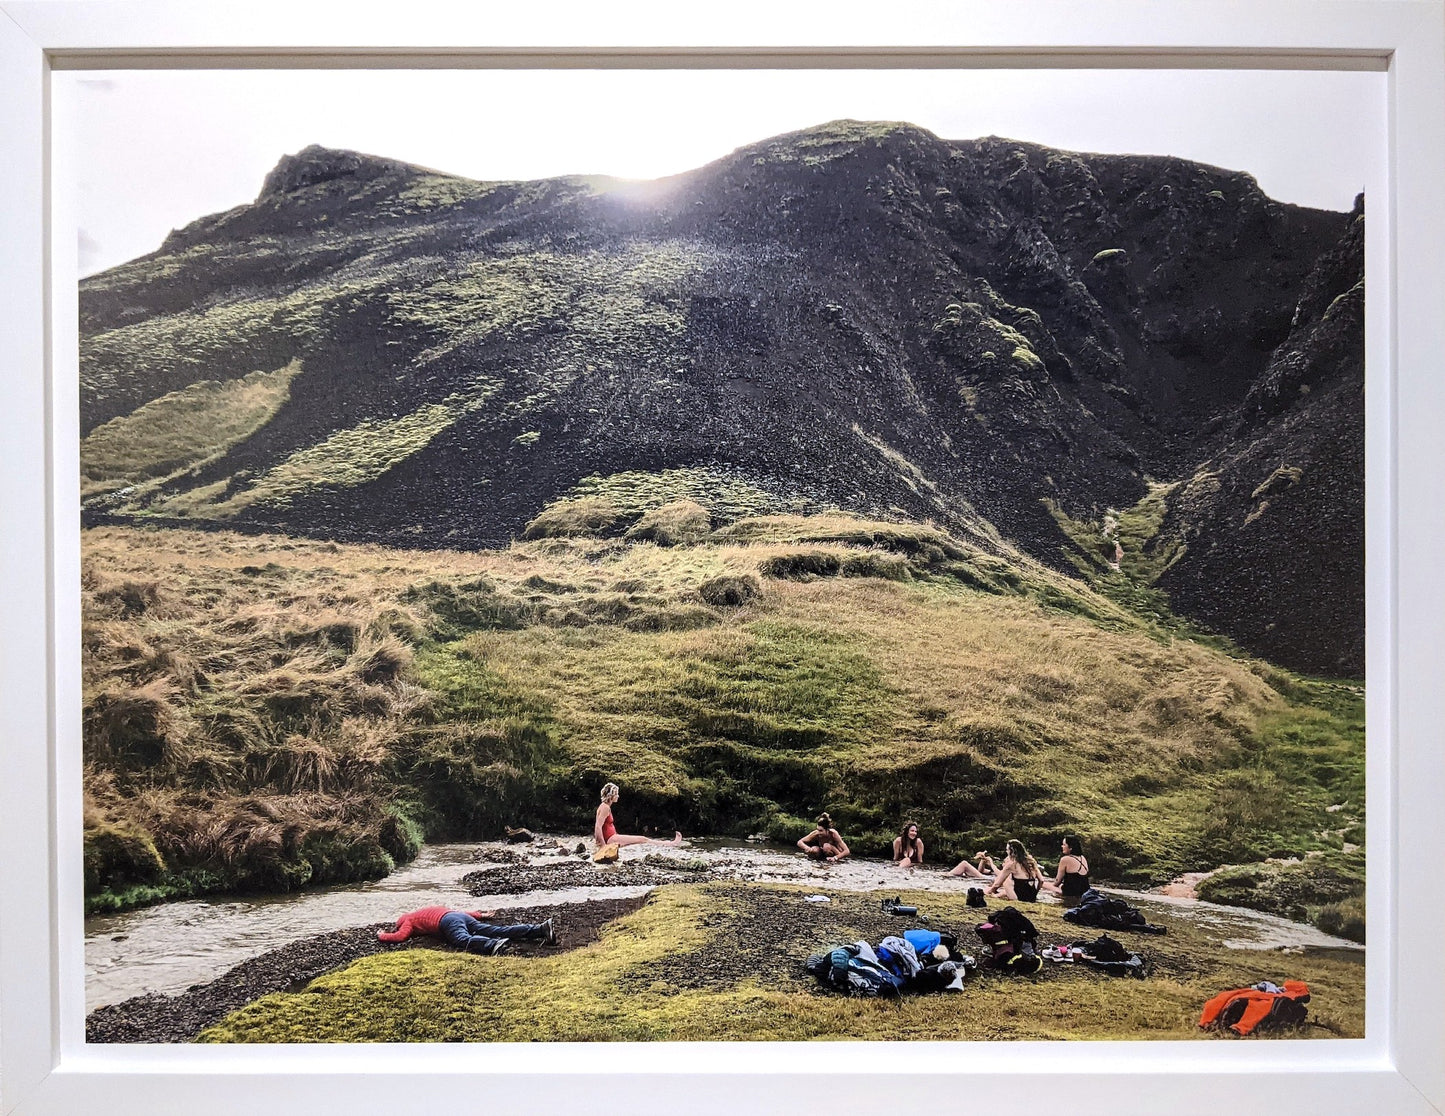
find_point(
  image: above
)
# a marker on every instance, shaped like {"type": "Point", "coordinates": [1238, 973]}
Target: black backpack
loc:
{"type": "Point", "coordinates": [1284, 1012]}
{"type": "Point", "coordinates": [975, 897]}
{"type": "Point", "coordinates": [1104, 948]}
{"type": "Point", "coordinates": [1012, 942]}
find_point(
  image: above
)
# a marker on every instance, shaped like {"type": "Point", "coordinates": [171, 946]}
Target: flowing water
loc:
{"type": "Point", "coordinates": [168, 948]}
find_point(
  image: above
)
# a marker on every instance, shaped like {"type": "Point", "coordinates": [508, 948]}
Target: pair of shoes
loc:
{"type": "Point", "coordinates": [549, 933]}
{"type": "Point", "coordinates": [496, 947]}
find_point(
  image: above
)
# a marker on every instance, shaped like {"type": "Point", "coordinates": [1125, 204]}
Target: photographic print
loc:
{"type": "Point", "coordinates": [706, 555]}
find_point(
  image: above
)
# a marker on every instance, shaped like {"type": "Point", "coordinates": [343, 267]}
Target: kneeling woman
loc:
{"type": "Point", "coordinates": [825, 842]}
{"type": "Point", "coordinates": [1018, 876]}
{"type": "Point", "coordinates": [604, 829]}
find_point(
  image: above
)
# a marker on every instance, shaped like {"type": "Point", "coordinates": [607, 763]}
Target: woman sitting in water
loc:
{"type": "Point", "coordinates": [1018, 878]}
{"type": "Point", "coordinates": [604, 830]}
{"type": "Point", "coordinates": [908, 847]}
{"type": "Point", "coordinates": [1072, 879]}
{"type": "Point", "coordinates": [825, 842]}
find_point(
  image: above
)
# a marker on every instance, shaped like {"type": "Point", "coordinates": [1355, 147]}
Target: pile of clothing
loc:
{"type": "Point", "coordinates": [1104, 913]}
{"type": "Point", "coordinates": [1012, 942]}
{"type": "Point", "coordinates": [1104, 954]}
{"type": "Point", "coordinates": [917, 961]}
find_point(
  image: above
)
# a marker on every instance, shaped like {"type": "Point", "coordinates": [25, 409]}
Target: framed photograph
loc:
{"type": "Point", "coordinates": [731, 497]}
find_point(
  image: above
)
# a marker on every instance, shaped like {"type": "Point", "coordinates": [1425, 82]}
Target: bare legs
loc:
{"type": "Point", "coordinates": [982, 868]}
{"type": "Point", "coordinates": [1003, 885]}
{"type": "Point", "coordinates": [620, 839]}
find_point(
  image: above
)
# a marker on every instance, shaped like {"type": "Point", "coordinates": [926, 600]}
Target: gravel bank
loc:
{"type": "Point", "coordinates": [157, 1018]}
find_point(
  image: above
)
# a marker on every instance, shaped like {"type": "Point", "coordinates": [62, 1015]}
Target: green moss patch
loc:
{"type": "Point", "coordinates": [183, 430]}
{"type": "Point", "coordinates": [1326, 889]}
{"type": "Point", "coordinates": [724, 962]}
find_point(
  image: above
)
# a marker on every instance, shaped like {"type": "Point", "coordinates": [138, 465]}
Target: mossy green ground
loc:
{"type": "Point", "coordinates": [723, 962]}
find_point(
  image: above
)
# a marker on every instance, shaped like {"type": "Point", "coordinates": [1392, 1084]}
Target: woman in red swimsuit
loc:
{"type": "Point", "coordinates": [604, 830]}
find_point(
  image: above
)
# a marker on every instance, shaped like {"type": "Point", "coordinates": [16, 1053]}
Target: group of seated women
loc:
{"type": "Point", "coordinates": [1017, 879]}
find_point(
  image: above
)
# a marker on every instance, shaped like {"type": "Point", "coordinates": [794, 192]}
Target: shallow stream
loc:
{"type": "Point", "coordinates": [168, 948]}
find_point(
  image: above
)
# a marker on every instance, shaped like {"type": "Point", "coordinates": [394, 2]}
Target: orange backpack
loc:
{"type": "Point", "coordinates": [1244, 1009]}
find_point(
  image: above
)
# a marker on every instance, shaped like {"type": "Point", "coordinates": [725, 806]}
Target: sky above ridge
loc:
{"type": "Point", "coordinates": [149, 151]}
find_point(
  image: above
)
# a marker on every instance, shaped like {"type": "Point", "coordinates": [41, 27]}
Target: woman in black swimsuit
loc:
{"type": "Point", "coordinates": [1019, 878]}
{"type": "Point", "coordinates": [1072, 879]}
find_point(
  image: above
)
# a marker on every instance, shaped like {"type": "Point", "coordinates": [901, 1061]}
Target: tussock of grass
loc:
{"type": "Point", "coordinates": [729, 591]}
{"type": "Point", "coordinates": [682, 521]}
{"type": "Point", "coordinates": [589, 515]}
{"type": "Point", "coordinates": [650, 978]}
{"type": "Point", "coordinates": [240, 719]}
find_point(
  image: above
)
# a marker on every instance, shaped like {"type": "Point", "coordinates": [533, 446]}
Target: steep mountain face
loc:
{"type": "Point", "coordinates": [1274, 524]}
{"type": "Point", "coordinates": [858, 316]}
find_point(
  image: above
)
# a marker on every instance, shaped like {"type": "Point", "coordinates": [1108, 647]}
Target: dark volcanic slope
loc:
{"type": "Point", "coordinates": [1276, 521]}
{"type": "Point", "coordinates": [857, 315]}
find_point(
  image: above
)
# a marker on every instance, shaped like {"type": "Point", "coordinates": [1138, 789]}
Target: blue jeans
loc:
{"type": "Point", "coordinates": [462, 930]}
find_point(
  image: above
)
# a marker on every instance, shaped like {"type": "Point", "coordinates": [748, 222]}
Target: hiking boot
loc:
{"type": "Point", "coordinates": [548, 935]}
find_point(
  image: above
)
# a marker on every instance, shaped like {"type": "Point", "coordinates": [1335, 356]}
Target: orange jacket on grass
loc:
{"type": "Point", "coordinates": [1257, 1005]}
{"type": "Point", "coordinates": [425, 921]}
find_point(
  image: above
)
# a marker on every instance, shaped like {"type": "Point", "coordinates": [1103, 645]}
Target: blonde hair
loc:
{"type": "Point", "coordinates": [610, 792]}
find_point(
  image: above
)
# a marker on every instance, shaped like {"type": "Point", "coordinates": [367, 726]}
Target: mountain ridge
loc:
{"type": "Point", "coordinates": [857, 316]}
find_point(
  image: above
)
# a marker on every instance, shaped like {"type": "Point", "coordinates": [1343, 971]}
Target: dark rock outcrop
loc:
{"type": "Point", "coordinates": [1275, 523]}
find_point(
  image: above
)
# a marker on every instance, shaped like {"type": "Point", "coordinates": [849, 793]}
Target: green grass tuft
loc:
{"type": "Point", "coordinates": [184, 430]}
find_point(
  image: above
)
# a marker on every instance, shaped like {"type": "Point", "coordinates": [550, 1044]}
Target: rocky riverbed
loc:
{"type": "Point", "coordinates": [238, 951]}
{"type": "Point", "coordinates": [179, 1018]}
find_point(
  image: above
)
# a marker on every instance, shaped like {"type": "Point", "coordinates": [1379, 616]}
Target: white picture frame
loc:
{"type": "Point", "coordinates": [45, 1065]}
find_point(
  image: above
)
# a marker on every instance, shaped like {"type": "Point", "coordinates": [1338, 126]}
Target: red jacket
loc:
{"type": "Point", "coordinates": [1257, 1005]}
{"type": "Point", "coordinates": [425, 921]}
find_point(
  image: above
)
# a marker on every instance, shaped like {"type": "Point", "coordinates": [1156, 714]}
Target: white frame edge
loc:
{"type": "Point", "coordinates": [44, 1065]}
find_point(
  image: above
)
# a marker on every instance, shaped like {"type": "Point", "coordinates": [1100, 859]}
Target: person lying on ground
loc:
{"type": "Point", "coordinates": [466, 930]}
{"type": "Point", "coordinates": [604, 829]}
{"type": "Point", "coordinates": [825, 842]}
{"type": "Point", "coordinates": [1019, 878]}
{"type": "Point", "coordinates": [908, 847]}
{"type": "Point", "coordinates": [981, 869]}
{"type": "Point", "coordinates": [1072, 879]}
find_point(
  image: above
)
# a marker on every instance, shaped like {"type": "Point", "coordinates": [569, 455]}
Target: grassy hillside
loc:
{"type": "Point", "coordinates": [265, 713]}
{"type": "Point", "coordinates": [724, 962]}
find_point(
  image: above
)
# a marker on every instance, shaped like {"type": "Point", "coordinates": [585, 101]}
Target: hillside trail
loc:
{"type": "Point", "coordinates": [172, 946]}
